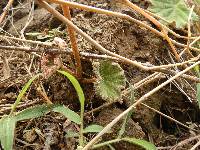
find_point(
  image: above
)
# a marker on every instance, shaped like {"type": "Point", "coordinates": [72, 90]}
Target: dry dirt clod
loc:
{"type": "Point", "coordinates": [132, 129]}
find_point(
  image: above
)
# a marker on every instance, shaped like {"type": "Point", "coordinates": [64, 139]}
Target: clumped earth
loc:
{"type": "Point", "coordinates": [122, 37]}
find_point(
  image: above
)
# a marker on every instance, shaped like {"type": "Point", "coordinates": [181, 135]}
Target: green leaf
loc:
{"type": "Point", "coordinates": [198, 94]}
{"type": "Point", "coordinates": [71, 134]}
{"type": "Point", "coordinates": [142, 143]}
{"type": "Point", "coordinates": [93, 128]}
{"type": "Point", "coordinates": [196, 68]}
{"type": "Point", "coordinates": [23, 91]}
{"type": "Point", "coordinates": [172, 11]}
{"type": "Point", "coordinates": [110, 80]}
{"type": "Point", "coordinates": [33, 112]}
{"type": "Point", "coordinates": [7, 128]}
{"type": "Point", "coordinates": [197, 2]}
{"type": "Point", "coordinates": [76, 86]}
{"type": "Point", "coordinates": [81, 97]}
{"type": "Point", "coordinates": [68, 113]}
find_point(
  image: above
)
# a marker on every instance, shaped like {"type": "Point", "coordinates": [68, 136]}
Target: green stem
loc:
{"type": "Point", "coordinates": [22, 92]}
{"type": "Point", "coordinates": [106, 143]}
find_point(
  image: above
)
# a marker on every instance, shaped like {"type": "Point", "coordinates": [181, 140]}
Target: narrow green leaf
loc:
{"type": "Point", "coordinates": [33, 112]}
{"type": "Point", "coordinates": [71, 134]}
{"type": "Point", "coordinates": [23, 91]}
{"type": "Point", "coordinates": [76, 86]}
{"type": "Point", "coordinates": [93, 128]}
{"type": "Point", "coordinates": [7, 128]}
{"type": "Point", "coordinates": [142, 143]}
{"type": "Point", "coordinates": [81, 96]}
{"type": "Point", "coordinates": [68, 113]}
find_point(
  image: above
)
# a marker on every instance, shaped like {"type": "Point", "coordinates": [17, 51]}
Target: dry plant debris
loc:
{"type": "Point", "coordinates": [124, 62]}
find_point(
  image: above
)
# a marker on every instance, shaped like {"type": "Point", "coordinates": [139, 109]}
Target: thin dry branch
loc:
{"type": "Point", "coordinates": [161, 68]}
{"type": "Point", "coordinates": [186, 141]}
{"type": "Point", "coordinates": [24, 40]}
{"type": "Point", "coordinates": [168, 117]}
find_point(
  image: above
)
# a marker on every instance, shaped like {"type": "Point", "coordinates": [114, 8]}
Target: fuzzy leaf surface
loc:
{"type": "Point", "coordinates": [110, 80]}
{"type": "Point", "coordinates": [172, 11]}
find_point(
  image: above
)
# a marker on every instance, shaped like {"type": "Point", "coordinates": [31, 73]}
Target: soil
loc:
{"type": "Point", "coordinates": [120, 36]}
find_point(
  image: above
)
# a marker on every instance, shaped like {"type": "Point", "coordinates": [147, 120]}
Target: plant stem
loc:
{"type": "Point", "coordinates": [72, 36]}
{"type": "Point", "coordinates": [106, 143]}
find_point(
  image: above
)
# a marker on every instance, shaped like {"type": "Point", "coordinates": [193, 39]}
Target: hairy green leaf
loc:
{"type": "Point", "coordinates": [68, 113]}
{"type": "Point", "coordinates": [110, 80]}
{"type": "Point", "coordinates": [7, 128]}
{"type": "Point", "coordinates": [93, 128]}
{"type": "Point", "coordinates": [23, 91]}
{"type": "Point", "coordinates": [142, 143]}
{"type": "Point", "coordinates": [172, 11]}
{"type": "Point", "coordinates": [33, 112]}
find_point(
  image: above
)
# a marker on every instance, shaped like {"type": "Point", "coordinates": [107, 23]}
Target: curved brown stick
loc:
{"type": "Point", "coordinates": [72, 36]}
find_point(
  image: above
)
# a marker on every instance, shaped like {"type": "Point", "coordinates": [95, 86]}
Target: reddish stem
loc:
{"type": "Point", "coordinates": [72, 36]}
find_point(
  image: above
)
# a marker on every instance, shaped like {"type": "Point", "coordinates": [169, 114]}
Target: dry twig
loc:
{"type": "Point", "coordinates": [6, 9]}
{"type": "Point", "coordinates": [73, 40]}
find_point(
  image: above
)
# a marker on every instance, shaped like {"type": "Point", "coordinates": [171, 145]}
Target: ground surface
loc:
{"type": "Point", "coordinates": [120, 36]}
